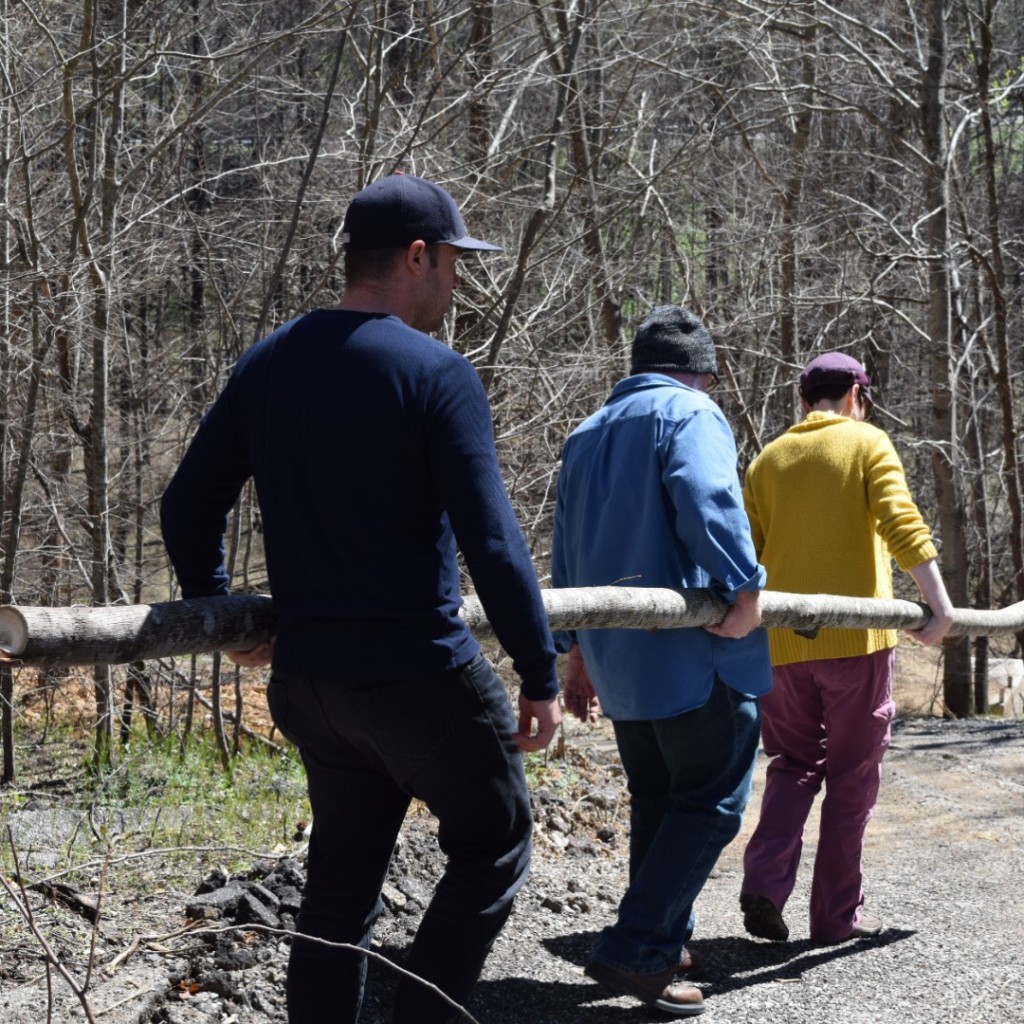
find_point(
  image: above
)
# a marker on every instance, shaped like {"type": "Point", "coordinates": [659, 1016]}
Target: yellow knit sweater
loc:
{"type": "Point", "coordinates": [829, 509]}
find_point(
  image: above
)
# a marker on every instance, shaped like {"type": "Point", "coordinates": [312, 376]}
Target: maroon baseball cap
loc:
{"type": "Point", "coordinates": [400, 209]}
{"type": "Point", "coordinates": [832, 368]}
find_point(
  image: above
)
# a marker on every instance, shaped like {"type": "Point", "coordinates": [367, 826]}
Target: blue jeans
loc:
{"type": "Point", "coordinates": [689, 781]}
{"type": "Point", "coordinates": [368, 750]}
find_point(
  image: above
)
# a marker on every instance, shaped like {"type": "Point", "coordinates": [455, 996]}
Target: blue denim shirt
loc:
{"type": "Point", "coordinates": [649, 496]}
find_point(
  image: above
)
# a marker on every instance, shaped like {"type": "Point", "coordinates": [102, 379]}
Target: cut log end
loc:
{"type": "Point", "coordinates": [13, 634]}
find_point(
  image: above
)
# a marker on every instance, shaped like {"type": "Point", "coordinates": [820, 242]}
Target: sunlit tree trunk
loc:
{"type": "Point", "coordinates": [994, 273]}
{"type": "Point", "coordinates": [800, 146]}
{"type": "Point", "coordinates": [942, 327]}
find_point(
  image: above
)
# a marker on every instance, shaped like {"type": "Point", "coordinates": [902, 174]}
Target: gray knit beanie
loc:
{"type": "Point", "coordinates": [672, 339]}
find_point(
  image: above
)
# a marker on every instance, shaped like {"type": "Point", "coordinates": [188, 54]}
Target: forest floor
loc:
{"type": "Point", "coordinates": [944, 862]}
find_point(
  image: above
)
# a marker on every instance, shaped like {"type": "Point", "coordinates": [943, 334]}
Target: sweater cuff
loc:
{"type": "Point", "coordinates": [918, 554]}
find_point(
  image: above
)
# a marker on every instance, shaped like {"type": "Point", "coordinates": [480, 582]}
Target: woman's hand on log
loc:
{"type": "Point", "coordinates": [933, 590]}
{"type": "Point", "coordinates": [933, 632]}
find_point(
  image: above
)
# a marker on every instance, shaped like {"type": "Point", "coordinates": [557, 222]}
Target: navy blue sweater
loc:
{"type": "Point", "coordinates": [372, 450]}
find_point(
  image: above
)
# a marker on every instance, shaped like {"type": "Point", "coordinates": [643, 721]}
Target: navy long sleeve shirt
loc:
{"type": "Point", "coordinates": [372, 451]}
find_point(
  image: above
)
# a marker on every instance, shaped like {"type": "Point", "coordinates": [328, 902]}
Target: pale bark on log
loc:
{"type": "Point", "coordinates": [52, 637]}
{"type": "Point", "coordinates": [118, 634]}
{"type": "Point", "coordinates": [653, 608]}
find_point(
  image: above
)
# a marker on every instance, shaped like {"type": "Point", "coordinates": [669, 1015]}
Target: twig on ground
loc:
{"type": "Point", "coordinates": [139, 940]}
{"type": "Point", "coordinates": [164, 851]}
{"type": "Point", "coordinates": [126, 999]}
{"type": "Point", "coordinates": [24, 909]}
{"type": "Point", "coordinates": [96, 922]}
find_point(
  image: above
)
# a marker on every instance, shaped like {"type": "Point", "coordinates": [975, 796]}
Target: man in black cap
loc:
{"type": "Point", "coordinates": [649, 496]}
{"type": "Point", "coordinates": [372, 451]}
{"type": "Point", "coordinates": [830, 509]}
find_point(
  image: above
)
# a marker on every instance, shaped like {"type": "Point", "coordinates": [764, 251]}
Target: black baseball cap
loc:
{"type": "Point", "coordinates": [396, 211]}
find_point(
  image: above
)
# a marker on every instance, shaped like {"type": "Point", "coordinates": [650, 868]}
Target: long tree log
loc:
{"type": "Point", "coordinates": [118, 634]}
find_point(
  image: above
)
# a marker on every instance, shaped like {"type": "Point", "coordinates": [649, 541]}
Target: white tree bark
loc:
{"type": "Point", "coordinates": [123, 633]}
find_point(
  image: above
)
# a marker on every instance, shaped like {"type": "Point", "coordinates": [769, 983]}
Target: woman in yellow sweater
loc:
{"type": "Point", "coordinates": [829, 510]}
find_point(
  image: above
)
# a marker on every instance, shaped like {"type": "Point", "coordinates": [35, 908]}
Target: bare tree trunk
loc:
{"type": "Point", "coordinates": [282, 260]}
{"type": "Point", "coordinates": [994, 267]}
{"type": "Point", "coordinates": [197, 202]}
{"type": "Point", "coordinates": [584, 95]}
{"type": "Point", "coordinates": [7, 770]}
{"type": "Point", "coordinates": [217, 709]}
{"type": "Point", "coordinates": [983, 545]}
{"type": "Point", "coordinates": [15, 506]}
{"type": "Point", "coordinates": [102, 275]}
{"type": "Point", "coordinates": [190, 703]}
{"type": "Point", "coordinates": [481, 62]}
{"type": "Point", "coordinates": [544, 208]}
{"type": "Point", "coordinates": [789, 339]}
{"type": "Point", "coordinates": [941, 327]}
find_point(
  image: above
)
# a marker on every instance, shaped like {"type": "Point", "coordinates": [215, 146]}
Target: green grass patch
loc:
{"type": "Point", "coordinates": [157, 794]}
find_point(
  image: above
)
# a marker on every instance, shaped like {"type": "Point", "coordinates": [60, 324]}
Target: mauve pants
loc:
{"type": "Point", "coordinates": [826, 722]}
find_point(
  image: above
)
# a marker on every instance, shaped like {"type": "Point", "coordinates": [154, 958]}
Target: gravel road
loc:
{"type": "Point", "coordinates": [944, 869]}
{"type": "Point", "coordinates": [943, 865]}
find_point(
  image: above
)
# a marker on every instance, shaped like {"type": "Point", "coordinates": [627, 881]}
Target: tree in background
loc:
{"type": "Point", "coordinates": [805, 175]}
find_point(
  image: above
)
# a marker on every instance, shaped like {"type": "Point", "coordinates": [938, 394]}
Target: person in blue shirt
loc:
{"type": "Point", "coordinates": [649, 496]}
{"type": "Point", "coordinates": [372, 451]}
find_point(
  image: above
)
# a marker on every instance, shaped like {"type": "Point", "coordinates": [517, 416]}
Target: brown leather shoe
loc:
{"type": "Point", "coordinates": [658, 990]}
{"type": "Point", "coordinates": [760, 918]}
